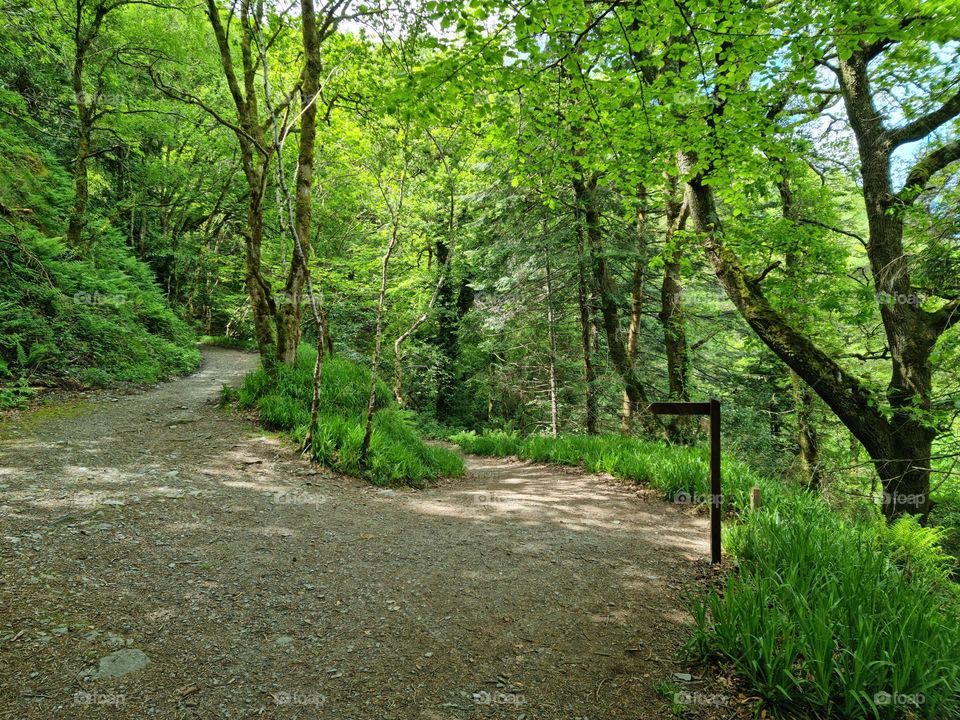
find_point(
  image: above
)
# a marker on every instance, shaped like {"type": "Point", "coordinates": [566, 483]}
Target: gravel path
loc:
{"type": "Point", "coordinates": [224, 577]}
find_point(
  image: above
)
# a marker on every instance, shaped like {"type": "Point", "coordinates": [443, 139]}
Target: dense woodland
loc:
{"type": "Point", "coordinates": [518, 224]}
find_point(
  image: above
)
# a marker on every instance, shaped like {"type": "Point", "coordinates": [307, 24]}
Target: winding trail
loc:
{"type": "Point", "coordinates": [260, 586]}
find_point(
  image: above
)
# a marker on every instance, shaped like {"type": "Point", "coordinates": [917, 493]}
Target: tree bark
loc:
{"type": "Point", "coordinates": [672, 318]}
{"type": "Point", "coordinates": [84, 35]}
{"type": "Point", "coordinates": [289, 312]}
{"type": "Point", "coordinates": [808, 443]}
{"type": "Point", "coordinates": [900, 454]}
{"type": "Point", "coordinates": [552, 335]}
{"type": "Point", "coordinates": [636, 305]}
{"type": "Point", "coordinates": [586, 328]}
{"type": "Point", "coordinates": [585, 191]}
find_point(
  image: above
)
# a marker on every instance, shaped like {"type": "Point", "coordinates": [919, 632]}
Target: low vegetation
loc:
{"type": "Point", "coordinates": [826, 616]}
{"type": "Point", "coordinates": [397, 452]}
{"type": "Point", "coordinates": [66, 319]}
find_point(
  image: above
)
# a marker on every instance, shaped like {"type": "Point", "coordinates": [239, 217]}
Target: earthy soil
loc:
{"type": "Point", "coordinates": [259, 585]}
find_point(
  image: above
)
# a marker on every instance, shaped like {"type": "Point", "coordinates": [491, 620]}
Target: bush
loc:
{"type": "Point", "coordinates": [397, 452]}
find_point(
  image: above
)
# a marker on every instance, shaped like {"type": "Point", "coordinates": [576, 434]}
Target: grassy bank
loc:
{"type": "Point", "coordinates": [825, 616]}
{"type": "Point", "coordinates": [398, 454]}
{"type": "Point", "coordinates": [74, 316]}
{"type": "Point", "coordinates": [681, 473]}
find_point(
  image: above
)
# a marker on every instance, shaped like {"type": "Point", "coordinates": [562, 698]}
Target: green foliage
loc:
{"type": "Point", "coordinates": [946, 514]}
{"type": "Point", "coordinates": [397, 452]}
{"type": "Point", "coordinates": [89, 319]}
{"type": "Point", "coordinates": [919, 552]}
{"type": "Point", "coordinates": [225, 341]}
{"type": "Point", "coordinates": [821, 622]}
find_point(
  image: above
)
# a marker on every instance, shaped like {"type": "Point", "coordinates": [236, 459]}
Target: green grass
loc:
{"type": "Point", "coordinates": [824, 617]}
{"type": "Point", "coordinates": [398, 454]}
{"type": "Point", "coordinates": [680, 472]}
{"type": "Point", "coordinates": [824, 613]}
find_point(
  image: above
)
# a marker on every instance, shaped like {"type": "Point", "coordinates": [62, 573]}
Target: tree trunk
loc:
{"type": "Point", "coordinates": [551, 333]}
{"type": "Point", "coordinates": [808, 444]}
{"type": "Point", "coordinates": [585, 191]}
{"type": "Point", "coordinates": [636, 305]}
{"type": "Point", "coordinates": [807, 440]}
{"type": "Point", "coordinates": [586, 329]}
{"type": "Point", "coordinates": [671, 315]}
{"type": "Point", "coordinates": [289, 312]}
{"type": "Point", "coordinates": [378, 346]}
{"type": "Point", "coordinates": [261, 302]}
{"type": "Point", "coordinates": [672, 319]}
{"type": "Point", "coordinates": [395, 216]}
{"type": "Point", "coordinates": [900, 450]}
{"type": "Point", "coordinates": [81, 191]}
{"type": "Point", "coordinates": [453, 302]}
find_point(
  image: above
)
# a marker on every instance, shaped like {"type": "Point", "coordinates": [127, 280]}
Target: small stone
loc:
{"type": "Point", "coordinates": [283, 640]}
{"type": "Point", "coordinates": [120, 663]}
{"type": "Point", "coordinates": [104, 526]}
{"type": "Point", "coordinates": [683, 677]}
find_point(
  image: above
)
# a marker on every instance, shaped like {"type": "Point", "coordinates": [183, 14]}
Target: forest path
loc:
{"type": "Point", "coordinates": [259, 586]}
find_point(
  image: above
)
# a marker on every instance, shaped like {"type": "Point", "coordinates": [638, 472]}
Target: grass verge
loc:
{"type": "Point", "coordinates": [824, 616]}
{"type": "Point", "coordinates": [398, 455]}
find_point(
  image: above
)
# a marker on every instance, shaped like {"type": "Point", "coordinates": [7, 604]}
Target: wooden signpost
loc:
{"type": "Point", "coordinates": [712, 410]}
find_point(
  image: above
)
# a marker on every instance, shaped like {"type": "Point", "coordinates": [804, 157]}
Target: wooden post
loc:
{"type": "Point", "coordinates": [712, 410]}
{"type": "Point", "coordinates": [715, 488]}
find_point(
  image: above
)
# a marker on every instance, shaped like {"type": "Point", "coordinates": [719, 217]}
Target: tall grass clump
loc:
{"type": "Point", "coordinates": [498, 443]}
{"type": "Point", "coordinates": [827, 618]}
{"type": "Point", "coordinates": [397, 452]}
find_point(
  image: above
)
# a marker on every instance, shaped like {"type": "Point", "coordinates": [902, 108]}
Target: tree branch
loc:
{"type": "Point", "coordinates": [926, 167]}
{"type": "Point", "coordinates": [945, 318]}
{"type": "Point", "coordinates": [921, 127]}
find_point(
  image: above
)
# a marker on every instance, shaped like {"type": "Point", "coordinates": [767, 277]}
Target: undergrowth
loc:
{"type": "Point", "coordinates": [827, 618]}
{"type": "Point", "coordinates": [84, 317]}
{"type": "Point", "coordinates": [397, 452]}
{"type": "Point", "coordinates": [824, 616]}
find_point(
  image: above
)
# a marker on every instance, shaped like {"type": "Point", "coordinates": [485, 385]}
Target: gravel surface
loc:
{"type": "Point", "coordinates": [163, 558]}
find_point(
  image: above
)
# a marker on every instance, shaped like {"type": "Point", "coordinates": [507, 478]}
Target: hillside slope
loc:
{"type": "Point", "coordinates": [71, 317]}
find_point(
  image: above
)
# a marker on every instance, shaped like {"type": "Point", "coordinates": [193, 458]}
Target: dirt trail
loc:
{"type": "Point", "coordinates": [258, 586]}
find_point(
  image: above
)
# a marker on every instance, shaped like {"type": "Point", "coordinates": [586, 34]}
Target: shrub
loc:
{"type": "Point", "coordinates": [397, 452]}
